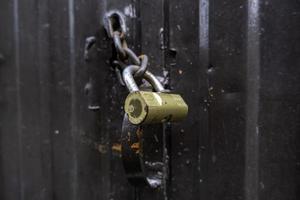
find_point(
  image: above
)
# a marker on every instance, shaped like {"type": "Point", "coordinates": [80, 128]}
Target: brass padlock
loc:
{"type": "Point", "coordinates": [144, 107]}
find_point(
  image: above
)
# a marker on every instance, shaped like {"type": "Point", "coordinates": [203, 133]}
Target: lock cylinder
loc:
{"type": "Point", "coordinates": [145, 107]}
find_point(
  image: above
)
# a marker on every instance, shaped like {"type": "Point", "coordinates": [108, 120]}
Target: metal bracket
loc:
{"type": "Point", "coordinates": [139, 171]}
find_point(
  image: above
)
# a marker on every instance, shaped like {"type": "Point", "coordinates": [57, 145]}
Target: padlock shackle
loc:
{"type": "Point", "coordinates": [128, 74]}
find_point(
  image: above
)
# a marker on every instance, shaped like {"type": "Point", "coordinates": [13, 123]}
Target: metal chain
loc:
{"type": "Point", "coordinates": [114, 23]}
{"type": "Point", "coordinates": [138, 171]}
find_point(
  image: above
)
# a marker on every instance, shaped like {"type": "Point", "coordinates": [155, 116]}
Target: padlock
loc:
{"type": "Point", "coordinates": [144, 107]}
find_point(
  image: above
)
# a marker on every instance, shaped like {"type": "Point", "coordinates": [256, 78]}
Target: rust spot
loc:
{"type": "Point", "coordinates": [135, 147]}
{"type": "Point", "coordinates": [139, 133]}
{"type": "Point", "coordinates": [117, 148]}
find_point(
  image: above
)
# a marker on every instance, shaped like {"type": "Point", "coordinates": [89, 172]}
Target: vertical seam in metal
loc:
{"type": "Point", "coordinates": [166, 152]}
{"type": "Point", "coordinates": [203, 23]}
{"type": "Point", "coordinates": [18, 95]}
{"type": "Point", "coordinates": [252, 101]}
{"type": "Point", "coordinates": [73, 119]}
{"type": "Point", "coordinates": [203, 26]}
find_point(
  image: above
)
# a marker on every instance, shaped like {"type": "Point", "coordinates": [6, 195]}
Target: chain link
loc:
{"type": "Point", "coordinates": [114, 23]}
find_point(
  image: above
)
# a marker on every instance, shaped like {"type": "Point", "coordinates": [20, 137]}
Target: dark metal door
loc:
{"type": "Point", "coordinates": [235, 62]}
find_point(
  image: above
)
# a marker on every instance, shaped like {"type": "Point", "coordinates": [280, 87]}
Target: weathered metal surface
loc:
{"type": "Point", "coordinates": [236, 63]}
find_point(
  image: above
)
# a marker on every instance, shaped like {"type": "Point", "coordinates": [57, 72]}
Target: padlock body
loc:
{"type": "Point", "coordinates": [145, 107]}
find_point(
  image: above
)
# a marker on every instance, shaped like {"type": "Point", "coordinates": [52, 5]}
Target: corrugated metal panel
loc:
{"type": "Point", "coordinates": [236, 64]}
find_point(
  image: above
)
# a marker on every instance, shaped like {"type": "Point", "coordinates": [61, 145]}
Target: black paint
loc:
{"type": "Point", "coordinates": [235, 62]}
